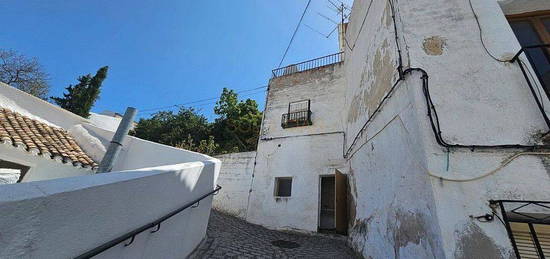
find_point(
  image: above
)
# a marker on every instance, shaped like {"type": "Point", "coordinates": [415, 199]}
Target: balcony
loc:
{"type": "Point", "coordinates": [308, 65]}
{"type": "Point", "coordinates": [296, 119]}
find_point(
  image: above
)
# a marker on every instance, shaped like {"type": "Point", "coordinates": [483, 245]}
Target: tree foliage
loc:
{"type": "Point", "coordinates": [185, 127]}
{"type": "Point", "coordinates": [238, 125]}
{"type": "Point", "coordinates": [235, 130]}
{"type": "Point", "coordinates": [23, 73]}
{"type": "Point", "coordinates": [80, 98]}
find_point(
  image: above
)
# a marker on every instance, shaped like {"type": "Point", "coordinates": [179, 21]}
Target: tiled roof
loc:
{"type": "Point", "coordinates": [40, 138]}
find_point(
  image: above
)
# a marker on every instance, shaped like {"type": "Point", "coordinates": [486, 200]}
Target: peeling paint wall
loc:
{"type": "Point", "coordinates": [303, 153]}
{"type": "Point", "coordinates": [236, 179]}
{"type": "Point", "coordinates": [395, 215]}
{"type": "Point", "coordinates": [397, 168]}
{"type": "Point", "coordinates": [479, 101]}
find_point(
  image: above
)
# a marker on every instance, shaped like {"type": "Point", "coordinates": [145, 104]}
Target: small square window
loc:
{"type": "Point", "coordinates": [283, 186]}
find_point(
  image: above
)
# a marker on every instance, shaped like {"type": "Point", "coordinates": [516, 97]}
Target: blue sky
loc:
{"type": "Point", "coordinates": [164, 52]}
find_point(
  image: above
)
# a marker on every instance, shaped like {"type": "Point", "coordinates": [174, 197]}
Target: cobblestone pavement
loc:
{"type": "Point", "coordinates": [230, 237]}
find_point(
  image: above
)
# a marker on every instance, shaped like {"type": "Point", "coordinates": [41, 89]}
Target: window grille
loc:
{"type": "Point", "coordinates": [299, 114]}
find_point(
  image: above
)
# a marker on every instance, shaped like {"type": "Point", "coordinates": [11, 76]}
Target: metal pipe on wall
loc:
{"type": "Point", "coordinates": [114, 148]}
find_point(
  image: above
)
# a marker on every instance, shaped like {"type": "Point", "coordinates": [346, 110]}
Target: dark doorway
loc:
{"type": "Point", "coordinates": [328, 202]}
{"type": "Point", "coordinates": [333, 207]}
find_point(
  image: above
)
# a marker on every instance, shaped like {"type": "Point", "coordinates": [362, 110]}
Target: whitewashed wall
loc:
{"type": "Point", "coordinates": [138, 153]}
{"type": "Point", "coordinates": [63, 218]}
{"type": "Point", "coordinates": [236, 179]}
{"type": "Point", "coordinates": [479, 101]}
{"type": "Point", "coordinates": [104, 121]}
{"type": "Point", "coordinates": [41, 167]}
{"type": "Point", "coordinates": [36, 108]}
{"type": "Point", "coordinates": [303, 153]}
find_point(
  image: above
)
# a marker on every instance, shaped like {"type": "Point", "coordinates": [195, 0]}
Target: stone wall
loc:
{"type": "Point", "coordinates": [236, 179]}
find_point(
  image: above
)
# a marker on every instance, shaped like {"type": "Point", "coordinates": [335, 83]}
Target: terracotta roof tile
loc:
{"type": "Point", "coordinates": [22, 130]}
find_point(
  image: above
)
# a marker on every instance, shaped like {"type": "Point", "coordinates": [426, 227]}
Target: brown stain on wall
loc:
{"type": "Point", "coordinates": [411, 227]}
{"type": "Point", "coordinates": [375, 84]}
{"type": "Point", "coordinates": [383, 71]}
{"type": "Point", "coordinates": [474, 243]}
{"type": "Point", "coordinates": [434, 45]}
{"type": "Point", "coordinates": [360, 230]}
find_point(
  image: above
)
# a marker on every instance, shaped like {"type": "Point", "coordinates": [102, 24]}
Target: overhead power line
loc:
{"type": "Point", "coordinates": [199, 103]}
{"type": "Point", "coordinates": [294, 34]}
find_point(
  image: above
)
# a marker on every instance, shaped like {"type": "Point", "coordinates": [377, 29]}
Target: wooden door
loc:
{"type": "Point", "coordinates": [341, 203]}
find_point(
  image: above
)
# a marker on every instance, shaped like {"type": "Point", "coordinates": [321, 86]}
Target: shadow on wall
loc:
{"type": "Point", "coordinates": [84, 212]}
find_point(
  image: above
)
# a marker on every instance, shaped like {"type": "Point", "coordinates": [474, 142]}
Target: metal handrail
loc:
{"type": "Point", "coordinates": [524, 71]}
{"type": "Point", "coordinates": [132, 234]}
{"type": "Point", "coordinates": [309, 64]}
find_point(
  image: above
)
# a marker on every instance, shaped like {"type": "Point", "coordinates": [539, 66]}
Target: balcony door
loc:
{"type": "Point", "coordinates": [534, 29]}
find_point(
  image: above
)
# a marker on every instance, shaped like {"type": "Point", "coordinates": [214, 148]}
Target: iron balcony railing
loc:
{"type": "Point", "coordinates": [532, 82]}
{"type": "Point", "coordinates": [531, 240]}
{"type": "Point", "coordinates": [132, 234]}
{"type": "Point", "coordinates": [296, 119]}
{"type": "Point", "coordinates": [308, 65]}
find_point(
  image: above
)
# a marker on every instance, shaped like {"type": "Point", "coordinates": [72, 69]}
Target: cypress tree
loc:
{"type": "Point", "coordinates": [80, 98]}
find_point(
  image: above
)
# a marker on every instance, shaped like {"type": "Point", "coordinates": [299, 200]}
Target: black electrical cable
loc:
{"type": "Point", "coordinates": [432, 112]}
{"type": "Point", "coordinates": [199, 101]}
{"type": "Point", "coordinates": [434, 121]}
{"type": "Point", "coordinates": [360, 29]}
{"type": "Point", "coordinates": [294, 34]}
{"type": "Point", "coordinates": [481, 35]}
{"type": "Point", "coordinates": [197, 105]}
{"type": "Point", "coordinates": [400, 58]}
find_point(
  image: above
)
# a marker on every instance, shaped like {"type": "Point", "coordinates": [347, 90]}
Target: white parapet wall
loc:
{"type": "Point", "coordinates": [236, 179]}
{"type": "Point", "coordinates": [63, 218]}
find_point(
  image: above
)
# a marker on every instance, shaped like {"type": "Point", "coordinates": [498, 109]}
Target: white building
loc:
{"type": "Point", "coordinates": [155, 203]}
{"type": "Point", "coordinates": [299, 151]}
{"type": "Point", "coordinates": [444, 133]}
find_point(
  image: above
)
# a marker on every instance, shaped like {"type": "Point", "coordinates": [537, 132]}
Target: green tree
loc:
{"type": "Point", "coordinates": [238, 126]}
{"type": "Point", "coordinates": [186, 127]}
{"type": "Point", "coordinates": [235, 130]}
{"type": "Point", "coordinates": [80, 98]}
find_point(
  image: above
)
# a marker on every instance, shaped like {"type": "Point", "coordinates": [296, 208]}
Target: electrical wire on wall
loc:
{"type": "Point", "coordinates": [360, 29]}
{"type": "Point", "coordinates": [481, 35]}
{"type": "Point", "coordinates": [433, 115]}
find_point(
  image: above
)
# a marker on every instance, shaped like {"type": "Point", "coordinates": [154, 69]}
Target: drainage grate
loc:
{"type": "Point", "coordinates": [285, 244]}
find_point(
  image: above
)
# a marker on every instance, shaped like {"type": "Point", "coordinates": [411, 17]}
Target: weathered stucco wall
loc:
{"type": "Point", "coordinates": [395, 214]}
{"type": "Point", "coordinates": [303, 153]}
{"type": "Point", "coordinates": [63, 218]}
{"type": "Point", "coordinates": [479, 100]}
{"type": "Point", "coordinates": [236, 179]}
